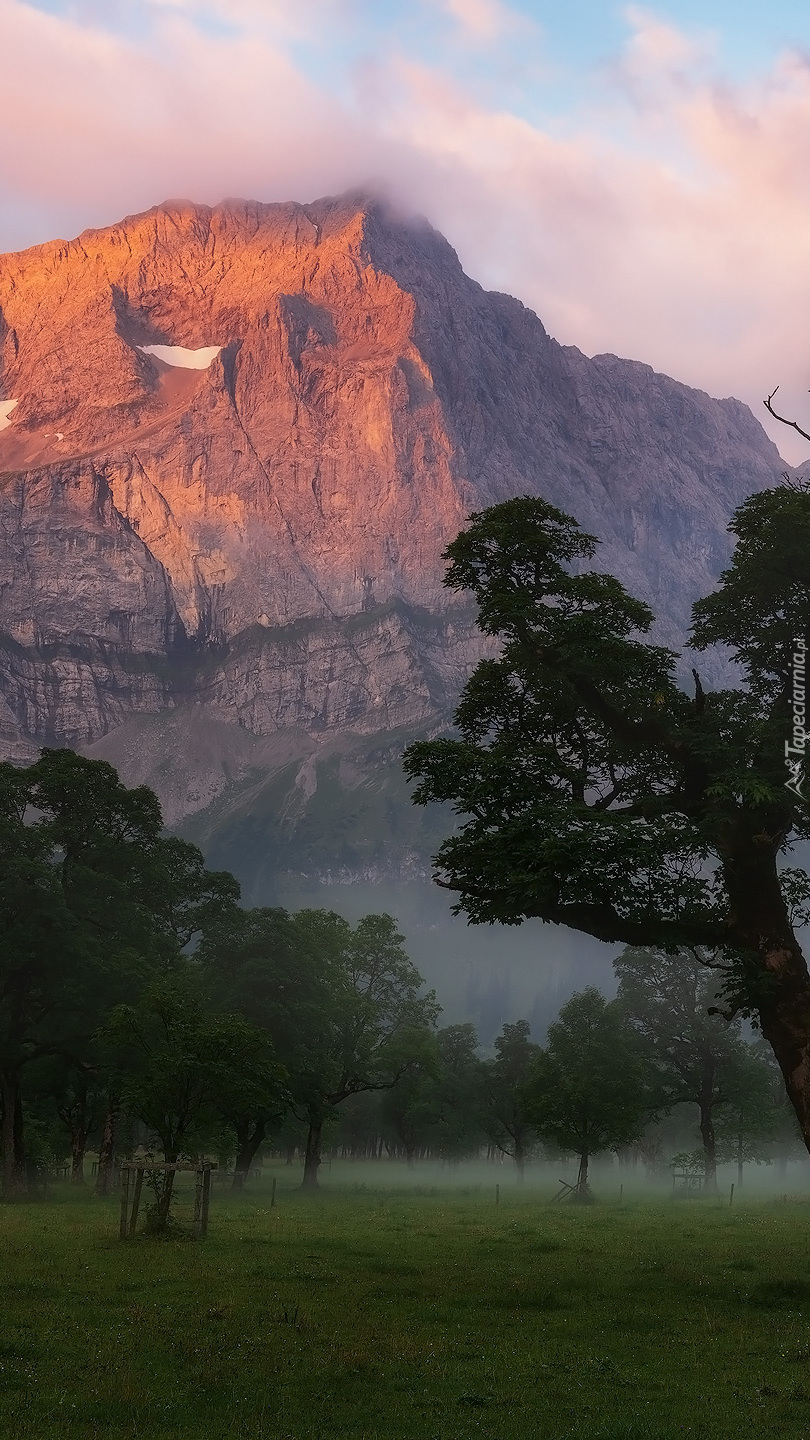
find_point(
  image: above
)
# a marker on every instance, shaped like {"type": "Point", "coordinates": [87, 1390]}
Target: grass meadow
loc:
{"type": "Point", "coordinates": [391, 1314]}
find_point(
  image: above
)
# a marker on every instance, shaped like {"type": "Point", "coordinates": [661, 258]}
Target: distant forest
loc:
{"type": "Point", "coordinates": [143, 1009]}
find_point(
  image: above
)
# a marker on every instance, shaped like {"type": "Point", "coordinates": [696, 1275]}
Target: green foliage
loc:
{"type": "Point", "coordinates": [271, 1018]}
{"type": "Point", "coordinates": [273, 969]}
{"type": "Point", "coordinates": [184, 897]}
{"type": "Point", "coordinates": [182, 1067]}
{"type": "Point", "coordinates": [504, 1079]}
{"type": "Point", "coordinates": [589, 1090]}
{"type": "Point", "coordinates": [756, 1120]}
{"type": "Point", "coordinates": [435, 1106]}
{"type": "Point", "coordinates": [97, 908]}
{"type": "Point", "coordinates": [593, 791]}
{"type": "Point", "coordinates": [763, 603]}
{"type": "Point", "coordinates": [690, 1162]}
{"type": "Point", "coordinates": [342, 1005]}
{"type": "Point", "coordinates": [453, 1125]}
{"type": "Point", "coordinates": [698, 1054]}
{"type": "Point", "coordinates": [95, 902]}
{"type": "Point", "coordinates": [672, 1002]}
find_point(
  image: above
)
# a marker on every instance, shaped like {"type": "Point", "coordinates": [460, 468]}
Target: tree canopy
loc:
{"type": "Point", "coordinates": [593, 791]}
{"type": "Point", "coordinates": [134, 988]}
{"type": "Point", "coordinates": [504, 1077]}
{"type": "Point", "coordinates": [589, 1089]}
{"type": "Point", "coordinates": [94, 900]}
{"type": "Point", "coordinates": [698, 1055]}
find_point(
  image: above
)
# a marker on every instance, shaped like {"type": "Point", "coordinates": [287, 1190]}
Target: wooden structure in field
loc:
{"type": "Point", "coordinates": [687, 1182]}
{"type": "Point", "coordinates": [137, 1168]}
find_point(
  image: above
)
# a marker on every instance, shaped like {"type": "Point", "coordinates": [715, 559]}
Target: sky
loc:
{"type": "Point", "coordinates": [637, 174]}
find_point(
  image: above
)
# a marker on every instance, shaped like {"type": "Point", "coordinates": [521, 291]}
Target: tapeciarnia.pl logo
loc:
{"type": "Point", "coordinates": [795, 747]}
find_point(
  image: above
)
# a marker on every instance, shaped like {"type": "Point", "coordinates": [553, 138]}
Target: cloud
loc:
{"type": "Point", "coordinates": [657, 48]}
{"type": "Point", "coordinates": [482, 20]}
{"type": "Point", "coordinates": [664, 218]}
{"type": "Point", "coordinates": [106, 123]}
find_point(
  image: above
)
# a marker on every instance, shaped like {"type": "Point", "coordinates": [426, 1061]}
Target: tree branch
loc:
{"type": "Point", "coordinates": [781, 418]}
{"type": "Point", "coordinates": [647, 731]}
{"type": "Point", "coordinates": [605, 923]}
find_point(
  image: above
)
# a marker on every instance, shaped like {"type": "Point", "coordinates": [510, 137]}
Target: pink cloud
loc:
{"type": "Point", "coordinates": [656, 48]}
{"type": "Point", "coordinates": [481, 20]}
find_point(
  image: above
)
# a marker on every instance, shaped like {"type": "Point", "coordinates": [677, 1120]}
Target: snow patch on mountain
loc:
{"type": "Point", "coordinates": [180, 356]}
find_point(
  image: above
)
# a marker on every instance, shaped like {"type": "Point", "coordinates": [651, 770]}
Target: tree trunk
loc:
{"type": "Point", "coordinates": [106, 1150]}
{"type": "Point", "coordinates": [312, 1153]}
{"type": "Point", "coordinates": [785, 1021]}
{"type": "Point", "coordinates": [166, 1189]}
{"type": "Point", "coordinates": [12, 1174]}
{"type": "Point", "coordinates": [78, 1145]}
{"type": "Point", "coordinates": [740, 1152]}
{"type": "Point", "coordinates": [248, 1142]}
{"type": "Point", "coordinates": [520, 1160]}
{"type": "Point", "coordinates": [582, 1175]}
{"type": "Point", "coordinates": [79, 1131]}
{"type": "Point", "coordinates": [706, 1105]}
{"type": "Point", "coordinates": [165, 1202]}
{"type": "Point", "coordinates": [763, 926]}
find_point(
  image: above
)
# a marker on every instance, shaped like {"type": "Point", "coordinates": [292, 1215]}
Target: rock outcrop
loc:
{"type": "Point", "coordinates": [258, 542]}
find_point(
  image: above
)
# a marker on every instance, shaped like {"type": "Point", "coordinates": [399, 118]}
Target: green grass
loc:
{"type": "Point", "coordinates": [384, 1315]}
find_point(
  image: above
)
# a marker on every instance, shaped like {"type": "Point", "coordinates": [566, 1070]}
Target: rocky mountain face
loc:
{"type": "Point", "coordinates": [216, 576]}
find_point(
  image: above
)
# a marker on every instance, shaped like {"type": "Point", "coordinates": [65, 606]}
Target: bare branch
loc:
{"type": "Point", "coordinates": [792, 423]}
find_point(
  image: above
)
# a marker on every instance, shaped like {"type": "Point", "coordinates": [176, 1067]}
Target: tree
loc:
{"type": "Point", "coordinates": [671, 1002]}
{"type": "Point", "coordinates": [360, 1128]}
{"type": "Point", "coordinates": [341, 1006]}
{"type": "Point", "coordinates": [370, 1026]}
{"type": "Point", "coordinates": [589, 1090]}
{"type": "Point", "coordinates": [750, 1121]}
{"type": "Point", "coordinates": [93, 901]}
{"type": "Point", "coordinates": [185, 899]}
{"type": "Point", "coordinates": [68, 834]}
{"type": "Point", "coordinates": [455, 1109]}
{"type": "Point", "coordinates": [598, 794]}
{"type": "Point", "coordinates": [407, 1109]}
{"type": "Point", "coordinates": [183, 1070]}
{"type": "Point", "coordinates": [79, 1098]}
{"type": "Point", "coordinates": [39, 948]}
{"type": "Point", "coordinates": [273, 969]}
{"type": "Point", "coordinates": [504, 1079]}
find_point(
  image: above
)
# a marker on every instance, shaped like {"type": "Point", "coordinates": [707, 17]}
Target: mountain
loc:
{"type": "Point", "coordinates": [228, 579]}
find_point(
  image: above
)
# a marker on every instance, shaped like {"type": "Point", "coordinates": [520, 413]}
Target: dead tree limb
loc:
{"type": "Point", "coordinates": [781, 418]}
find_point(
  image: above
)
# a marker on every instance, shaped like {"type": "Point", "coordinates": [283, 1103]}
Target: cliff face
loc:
{"type": "Point", "coordinates": [259, 541]}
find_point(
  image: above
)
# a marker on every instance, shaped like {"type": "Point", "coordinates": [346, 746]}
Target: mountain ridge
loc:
{"type": "Point", "coordinates": [259, 542]}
